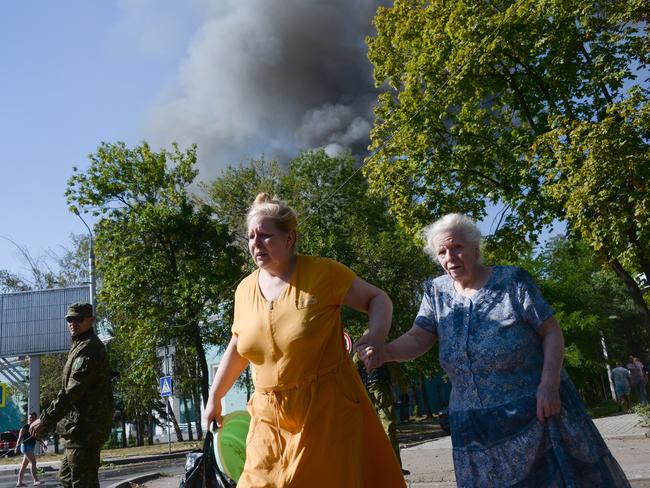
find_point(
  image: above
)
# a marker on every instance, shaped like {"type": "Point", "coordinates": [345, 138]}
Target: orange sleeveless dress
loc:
{"type": "Point", "coordinates": [312, 423]}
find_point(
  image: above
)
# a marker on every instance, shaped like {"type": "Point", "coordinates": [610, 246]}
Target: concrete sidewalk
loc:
{"type": "Point", "coordinates": [431, 463]}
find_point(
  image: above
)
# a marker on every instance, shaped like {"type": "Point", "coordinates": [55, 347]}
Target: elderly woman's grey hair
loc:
{"type": "Point", "coordinates": [450, 223]}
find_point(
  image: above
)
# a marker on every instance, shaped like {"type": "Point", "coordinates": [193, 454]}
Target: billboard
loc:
{"type": "Point", "coordinates": [33, 322]}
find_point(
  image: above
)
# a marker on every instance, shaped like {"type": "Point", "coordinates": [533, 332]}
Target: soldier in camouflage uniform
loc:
{"type": "Point", "coordinates": [84, 405]}
{"type": "Point", "coordinates": [378, 386]}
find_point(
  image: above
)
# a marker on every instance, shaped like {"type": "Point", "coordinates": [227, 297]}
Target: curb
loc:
{"type": "Point", "coordinates": [54, 465]}
{"type": "Point", "coordinates": [144, 459]}
{"type": "Point", "coordinates": [135, 480]}
{"type": "Point", "coordinates": [419, 443]}
{"type": "Point", "coordinates": [626, 437]}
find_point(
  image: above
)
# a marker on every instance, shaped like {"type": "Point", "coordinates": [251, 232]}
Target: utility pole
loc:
{"type": "Point", "coordinates": [91, 263]}
{"type": "Point", "coordinates": [166, 382]}
{"type": "Point", "coordinates": [167, 373]}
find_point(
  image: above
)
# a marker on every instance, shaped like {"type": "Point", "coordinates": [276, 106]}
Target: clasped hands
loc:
{"type": "Point", "coordinates": [371, 350]}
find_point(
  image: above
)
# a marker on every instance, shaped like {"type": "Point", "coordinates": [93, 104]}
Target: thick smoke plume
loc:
{"type": "Point", "coordinates": [272, 77]}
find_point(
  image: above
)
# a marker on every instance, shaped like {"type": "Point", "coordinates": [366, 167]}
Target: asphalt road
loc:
{"type": "Point", "coordinates": [107, 475]}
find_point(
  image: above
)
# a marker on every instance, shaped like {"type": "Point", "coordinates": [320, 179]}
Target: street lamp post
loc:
{"type": "Point", "coordinates": [607, 367]}
{"type": "Point", "coordinates": [91, 263]}
{"type": "Point", "coordinates": [609, 370]}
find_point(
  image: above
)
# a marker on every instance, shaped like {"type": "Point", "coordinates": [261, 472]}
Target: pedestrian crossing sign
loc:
{"type": "Point", "coordinates": [3, 395]}
{"type": "Point", "coordinates": [166, 386]}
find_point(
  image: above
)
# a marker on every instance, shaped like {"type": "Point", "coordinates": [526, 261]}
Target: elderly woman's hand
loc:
{"type": "Point", "coordinates": [548, 401]}
{"type": "Point", "coordinates": [548, 395]}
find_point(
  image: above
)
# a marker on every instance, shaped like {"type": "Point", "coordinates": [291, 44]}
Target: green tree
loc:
{"type": "Point", "coordinates": [166, 265]}
{"type": "Point", "coordinates": [11, 282]}
{"type": "Point", "coordinates": [233, 191]}
{"type": "Point", "coordinates": [486, 103]}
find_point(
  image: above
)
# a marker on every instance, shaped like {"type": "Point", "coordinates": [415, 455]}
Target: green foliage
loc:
{"type": "Point", "coordinates": [232, 193]}
{"type": "Point", "coordinates": [643, 411]}
{"type": "Point", "coordinates": [599, 172]}
{"type": "Point", "coordinates": [605, 408]}
{"type": "Point", "coordinates": [132, 354]}
{"type": "Point", "coordinates": [590, 303]}
{"type": "Point", "coordinates": [166, 264]}
{"type": "Point", "coordinates": [519, 103]}
{"type": "Point", "coordinates": [11, 282]}
{"type": "Point", "coordinates": [51, 371]}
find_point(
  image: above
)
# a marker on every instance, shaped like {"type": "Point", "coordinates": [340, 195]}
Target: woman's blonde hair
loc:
{"type": "Point", "coordinates": [448, 223]}
{"type": "Point", "coordinates": [282, 215]}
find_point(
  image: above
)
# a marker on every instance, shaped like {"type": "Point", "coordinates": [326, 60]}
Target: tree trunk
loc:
{"type": "Point", "coordinates": [188, 421]}
{"type": "Point", "coordinates": [139, 439]}
{"type": "Point", "coordinates": [417, 394]}
{"type": "Point", "coordinates": [203, 364]}
{"type": "Point", "coordinates": [151, 428]}
{"type": "Point", "coordinates": [196, 397]}
{"type": "Point", "coordinates": [635, 292]}
{"type": "Point", "coordinates": [425, 398]}
{"type": "Point", "coordinates": [172, 417]}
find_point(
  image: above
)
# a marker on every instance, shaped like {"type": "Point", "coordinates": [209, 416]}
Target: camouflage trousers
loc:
{"type": "Point", "coordinates": [79, 468]}
{"type": "Point", "coordinates": [381, 397]}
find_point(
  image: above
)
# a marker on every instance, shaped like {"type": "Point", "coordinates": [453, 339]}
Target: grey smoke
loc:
{"type": "Point", "coordinates": [272, 77]}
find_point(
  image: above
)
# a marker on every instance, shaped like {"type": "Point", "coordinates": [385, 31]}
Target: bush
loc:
{"type": "Point", "coordinates": [604, 408]}
{"type": "Point", "coordinates": [643, 411]}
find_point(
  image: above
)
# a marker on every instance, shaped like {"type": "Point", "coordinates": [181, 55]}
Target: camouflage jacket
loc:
{"type": "Point", "coordinates": [378, 376]}
{"type": "Point", "coordinates": [84, 405]}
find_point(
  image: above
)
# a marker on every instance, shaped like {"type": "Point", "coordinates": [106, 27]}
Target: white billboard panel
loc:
{"type": "Point", "coordinates": [33, 322]}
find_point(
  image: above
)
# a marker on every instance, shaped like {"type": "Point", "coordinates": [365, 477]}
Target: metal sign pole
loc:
{"type": "Point", "coordinates": [167, 373]}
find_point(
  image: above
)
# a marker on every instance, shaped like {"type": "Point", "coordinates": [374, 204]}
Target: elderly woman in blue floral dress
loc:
{"type": "Point", "coordinates": [516, 418]}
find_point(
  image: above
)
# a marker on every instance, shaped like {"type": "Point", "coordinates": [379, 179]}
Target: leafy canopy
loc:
{"type": "Point", "coordinates": [483, 99]}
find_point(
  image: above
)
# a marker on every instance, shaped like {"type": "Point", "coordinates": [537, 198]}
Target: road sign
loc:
{"type": "Point", "coordinates": [164, 351]}
{"type": "Point", "coordinates": [166, 386]}
{"type": "Point", "coordinates": [3, 395]}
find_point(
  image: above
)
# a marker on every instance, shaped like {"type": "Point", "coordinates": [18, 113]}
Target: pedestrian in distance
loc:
{"type": "Point", "coordinates": [516, 419]}
{"type": "Point", "coordinates": [84, 405]}
{"type": "Point", "coordinates": [26, 444]}
{"type": "Point", "coordinates": [312, 424]}
{"type": "Point", "coordinates": [622, 385]}
{"type": "Point", "coordinates": [638, 378]}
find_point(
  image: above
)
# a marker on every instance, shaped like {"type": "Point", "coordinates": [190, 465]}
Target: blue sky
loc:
{"type": "Point", "coordinates": [74, 73]}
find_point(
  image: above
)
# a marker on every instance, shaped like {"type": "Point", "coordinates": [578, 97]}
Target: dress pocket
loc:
{"type": "Point", "coordinates": [306, 300]}
{"type": "Point", "coordinates": [346, 388]}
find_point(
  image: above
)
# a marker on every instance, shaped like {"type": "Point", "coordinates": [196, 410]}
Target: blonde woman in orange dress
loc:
{"type": "Point", "coordinates": [312, 424]}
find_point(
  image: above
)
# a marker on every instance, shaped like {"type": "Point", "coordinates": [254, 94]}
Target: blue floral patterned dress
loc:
{"type": "Point", "coordinates": [490, 349]}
